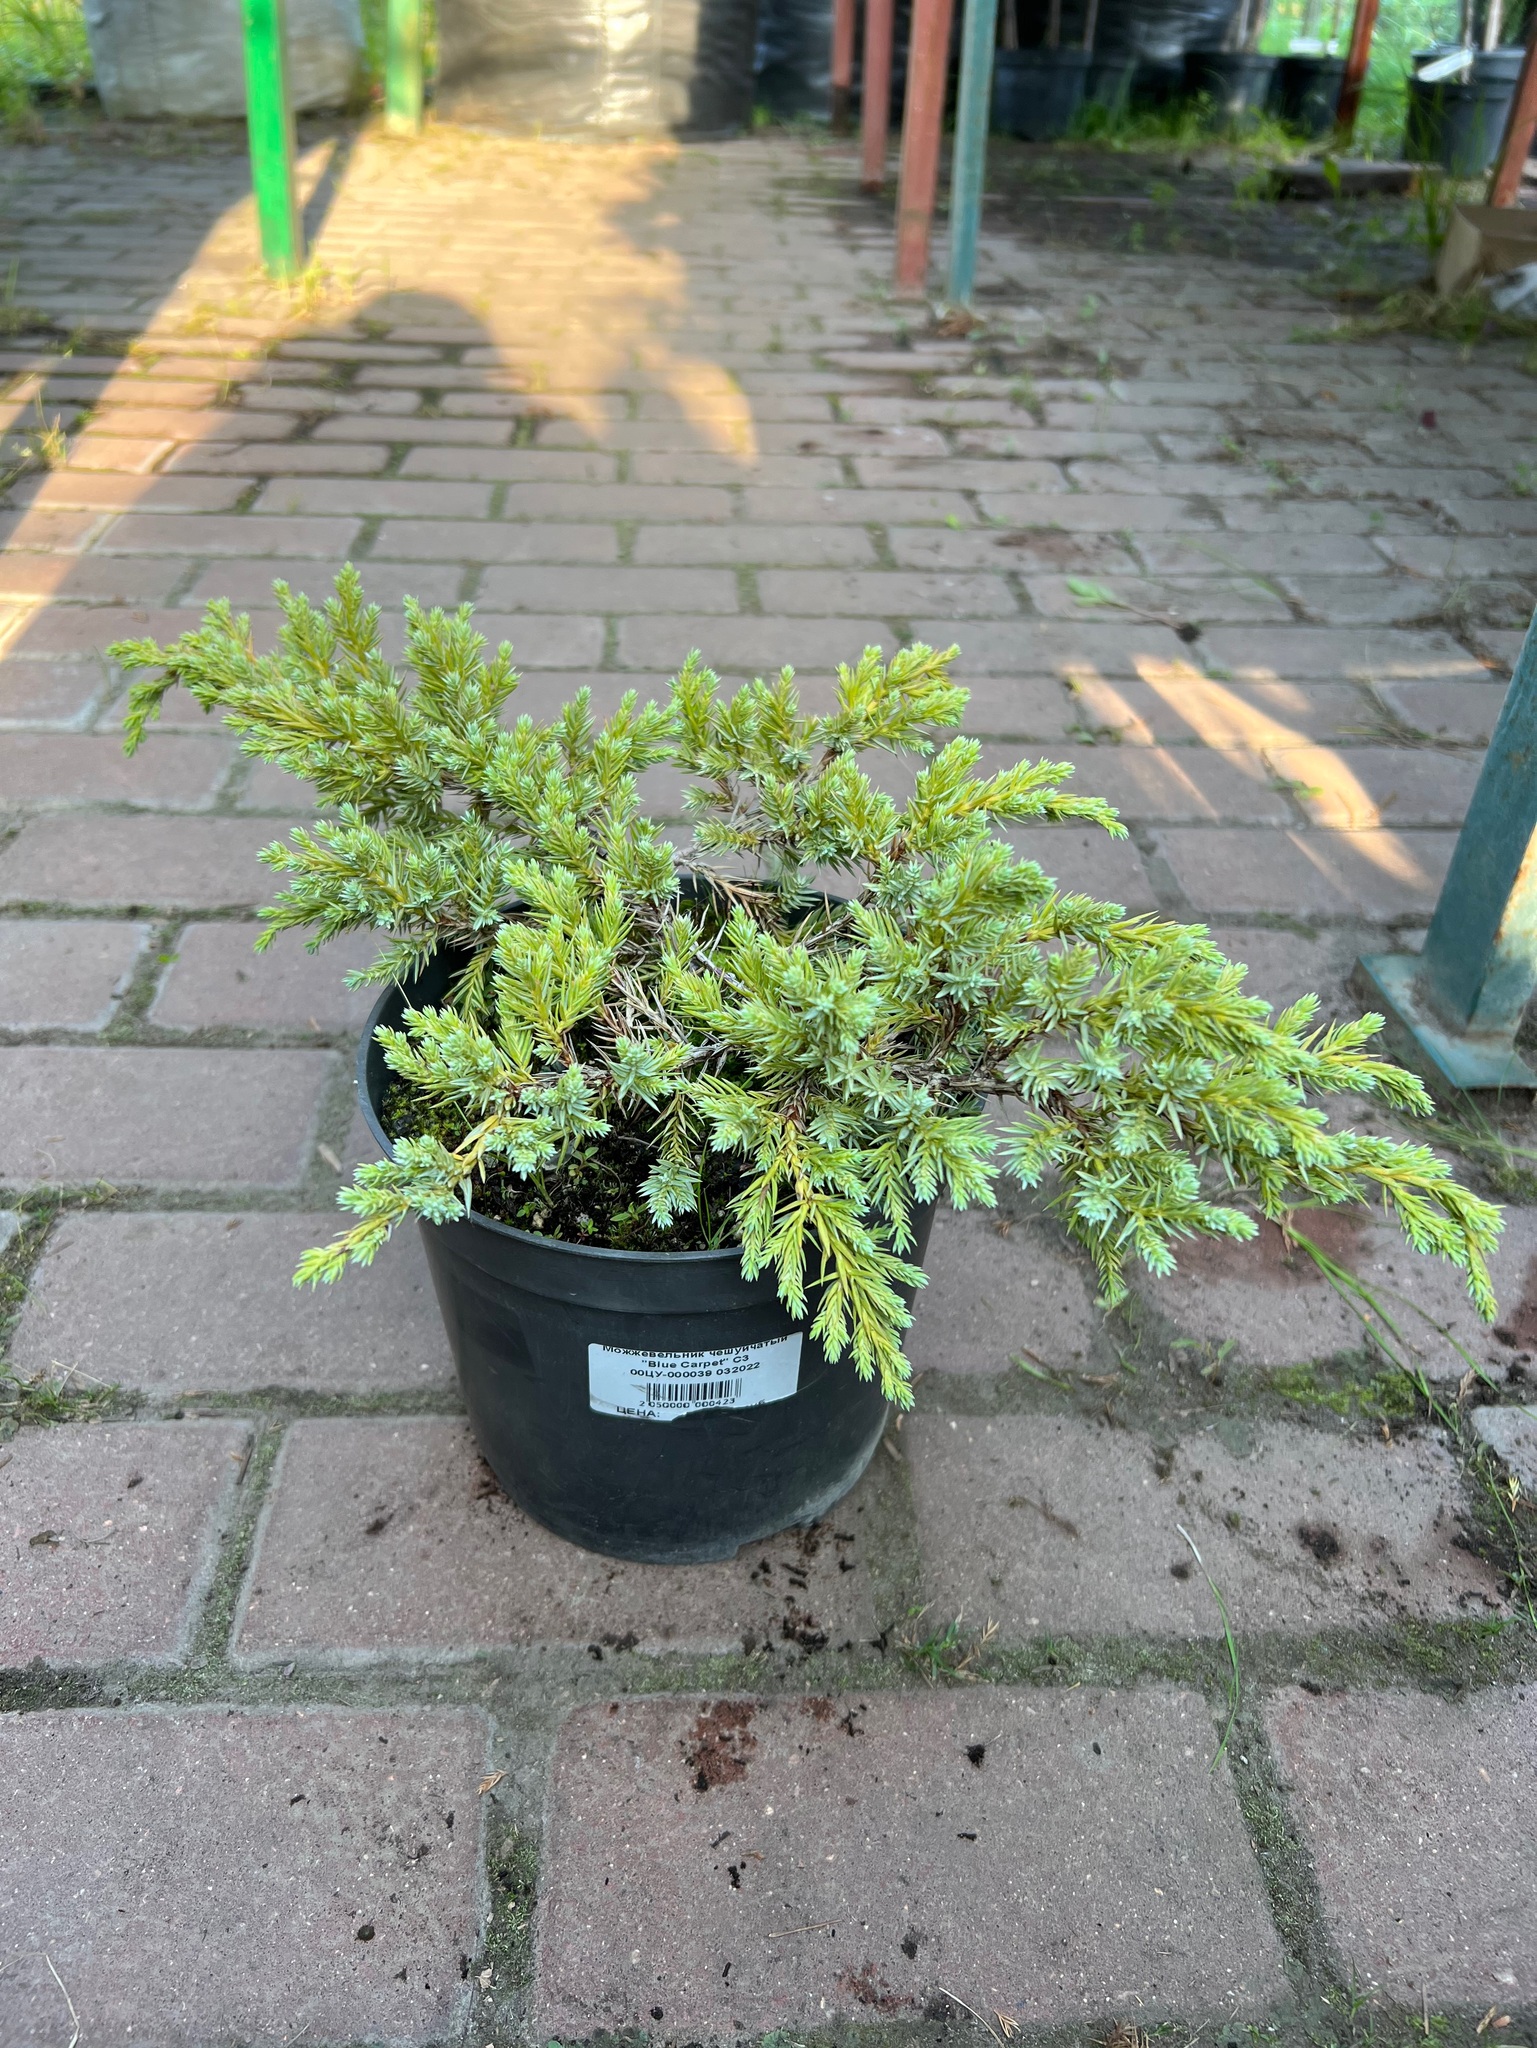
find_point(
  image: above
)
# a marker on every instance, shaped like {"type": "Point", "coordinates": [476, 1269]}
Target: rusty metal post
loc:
{"type": "Point", "coordinates": [843, 61]}
{"type": "Point", "coordinates": [928, 64]}
{"type": "Point", "coordinates": [875, 105]}
{"type": "Point", "coordinates": [1520, 127]}
{"type": "Point", "coordinates": [1354, 81]}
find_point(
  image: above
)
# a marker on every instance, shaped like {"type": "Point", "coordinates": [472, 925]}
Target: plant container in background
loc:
{"type": "Point", "coordinates": [579, 1366]}
{"type": "Point", "coordinates": [1457, 122]}
{"type": "Point", "coordinates": [1237, 82]}
{"type": "Point", "coordinates": [1305, 91]}
{"type": "Point", "coordinates": [1109, 81]}
{"type": "Point", "coordinates": [1037, 93]}
{"type": "Point", "coordinates": [597, 67]}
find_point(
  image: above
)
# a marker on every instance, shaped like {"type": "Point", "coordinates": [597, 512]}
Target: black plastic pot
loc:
{"type": "Point", "coordinates": [1235, 81]}
{"type": "Point", "coordinates": [1458, 123]}
{"type": "Point", "coordinates": [1108, 83]}
{"type": "Point", "coordinates": [1305, 92]}
{"type": "Point", "coordinates": [541, 1329]}
{"type": "Point", "coordinates": [1036, 93]}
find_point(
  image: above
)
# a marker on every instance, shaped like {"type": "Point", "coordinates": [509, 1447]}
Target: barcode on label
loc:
{"type": "Point", "coordinates": [692, 1393]}
{"type": "Point", "coordinates": [661, 1386]}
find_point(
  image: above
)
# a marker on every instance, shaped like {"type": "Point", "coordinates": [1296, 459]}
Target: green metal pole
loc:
{"type": "Point", "coordinates": [270, 124]}
{"type": "Point", "coordinates": [403, 66]}
{"type": "Point", "coordinates": [972, 107]}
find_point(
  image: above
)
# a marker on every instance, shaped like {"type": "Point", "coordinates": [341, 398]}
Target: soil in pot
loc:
{"type": "Point", "coordinates": [647, 1404]}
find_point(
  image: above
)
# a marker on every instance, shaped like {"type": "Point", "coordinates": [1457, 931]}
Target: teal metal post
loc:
{"type": "Point", "coordinates": [403, 66]}
{"type": "Point", "coordinates": [972, 109]}
{"type": "Point", "coordinates": [1462, 999]}
{"type": "Point", "coordinates": [271, 130]}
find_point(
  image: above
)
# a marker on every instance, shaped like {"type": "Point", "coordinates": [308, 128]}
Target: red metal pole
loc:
{"type": "Point", "coordinates": [875, 111]}
{"type": "Point", "coordinates": [843, 59]}
{"type": "Point", "coordinates": [1355, 69]}
{"type": "Point", "coordinates": [1520, 127]}
{"type": "Point", "coordinates": [928, 63]}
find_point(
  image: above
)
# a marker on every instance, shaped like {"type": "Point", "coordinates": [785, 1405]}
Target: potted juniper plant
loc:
{"type": "Point", "coordinates": [674, 1117]}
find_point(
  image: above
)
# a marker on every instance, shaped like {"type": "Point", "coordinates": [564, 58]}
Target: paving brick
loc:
{"type": "Point", "coordinates": [1084, 858]}
{"type": "Point", "coordinates": [416, 1552]}
{"type": "Point", "coordinates": [1378, 875]}
{"type": "Point", "coordinates": [1150, 783]}
{"type": "Point", "coordinates": [1087, 511]}
{"type": "Point", "coordinates": [555, 639]}
{"type": "Point", "coordinates": [1061, 647]}
{"type": "Point", "coordinates": [607, 501]}
{"type": "Point", "coordinates": [1275, 1308]}
{"type": "Point", "coordinates": [1351, 788]}
{"type": "Point", "coordinates": [1055, 1525]}
{"type": "Point", "coordinates": [1462, 711]}
{"type": "Point", "coordinates": [374, 497]}
{"type": "Point", "coordinates": [81, 629]}
{"type": "Point", "coordinates": [757, 545]}
{"type": "Point", "coordinates": [1199, 600]}
{"type": "Point", "coordinates": [203, 1874]}
{"type": "Point", "coordinates": [284, 458]}
{"type": "Point", "coordinates": [1511, 1433]}
{"type": "Point", "coordinates": [45, 768]}
{"type": "Point", "coordinates": [1180, 704]}
{"type": "Point", "coordinates": [190, 1302]}
{"type": "Point", "coordinates": [1088, 1860]}
{"type": "Point", "coordinates": [1421, 1818]}
{"type": "Point", "coordinates": [93, 579]}
{"type": "Point", "coordinates": [136, 1116]}
{"type": "Point", "coordinates": [217, 978]}
{"type": "Point", "coordinates": [124, 862]}
{"type": "Point", "coordinates": [758, 646]}
{"type": "Point", "coordinates": [1042, 548]}
{"type": "Point", "coordinates": [778, 506]}
{"type": "Point", "coordinates": [955, 473]}
{"type": "Point", "coordinates": [114, 1531]}
{"type": "Point", "coordinates": [1001, 1283]}
{"type": "Point", "coordinates": [854, 592]}
{"type": "Point", "coordinates": [241, 535]}
{"type": "Point", "coordinates": [52, 692]}
{"type": "Point", "coordinates": [494, 540]}
{"type": "Point", "coordinates": [64, 971]}
{"type": "Point", "coordinates": [610, 590]}
{"type": "Point", "coordinates": [1359, 654]}
{"type": "Point", "coordinates": [131, 493]}
{"type": "Point", "coordinates": [248, 584]}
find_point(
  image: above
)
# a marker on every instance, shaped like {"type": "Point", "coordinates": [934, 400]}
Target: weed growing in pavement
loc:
{"type": "Point", "coordinates": [949, 1653]}
{"type": "Point", "coordinates": [1235, 1676]}
{"type": "Point", "coordinates": [65, 1396]}
{"type": "Point", "coordinates": [1465, 318]}
{"type": "Point", "coordinates": [1510, 1168]}
{"type": "Point", "coordinates": [1501, 1492]}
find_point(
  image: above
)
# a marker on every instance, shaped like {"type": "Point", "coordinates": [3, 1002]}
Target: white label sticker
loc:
{"type": "Point", "coordinates": [659, 1386]}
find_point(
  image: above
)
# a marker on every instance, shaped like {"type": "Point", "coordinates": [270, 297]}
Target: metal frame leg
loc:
{"type": "Point", "coordinates": [1461, 1000]}
{"type": "Point", "coordinates": [270, 127]}
{"type": "Point", "coordinates": [969, 168]}
{"type": "Point", "coordinates": [403, 66]}
{"type": "Point", "coordinates": [928, 62]}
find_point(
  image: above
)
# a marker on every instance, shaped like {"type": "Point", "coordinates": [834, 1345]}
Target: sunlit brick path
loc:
{"type": "Point", "coordinates": [314, 1738]}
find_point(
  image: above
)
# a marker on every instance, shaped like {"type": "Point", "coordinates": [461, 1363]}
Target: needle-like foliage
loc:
{"type": "Point", "coordinates": [832, 983]}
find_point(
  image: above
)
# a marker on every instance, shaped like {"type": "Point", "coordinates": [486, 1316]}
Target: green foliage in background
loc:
{"type": "Point", "coordinates": [841, 1051]}
{"type": "Point", "coordinates": [42, 42]}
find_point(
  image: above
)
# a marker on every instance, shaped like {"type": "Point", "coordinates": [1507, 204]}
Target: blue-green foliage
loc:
{"type": "Point", "coordinates": [843, 1051]}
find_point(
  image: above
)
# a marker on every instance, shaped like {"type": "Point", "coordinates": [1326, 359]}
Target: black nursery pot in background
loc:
{"type": "Point", "coordinates": [1036, 93]}
{"type": "Point", "coordinates": [1237, 82]}
{"type": "Point", "coordinates": [1305, 92]}
{"type": "Point", "coordinates": [649, 1405]}
{"type": "Point", "coordinates": [1458, 123]}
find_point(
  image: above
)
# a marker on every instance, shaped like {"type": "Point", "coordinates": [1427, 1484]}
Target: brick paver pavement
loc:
{"type": "Point", "coordinates": [307, 1734]}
